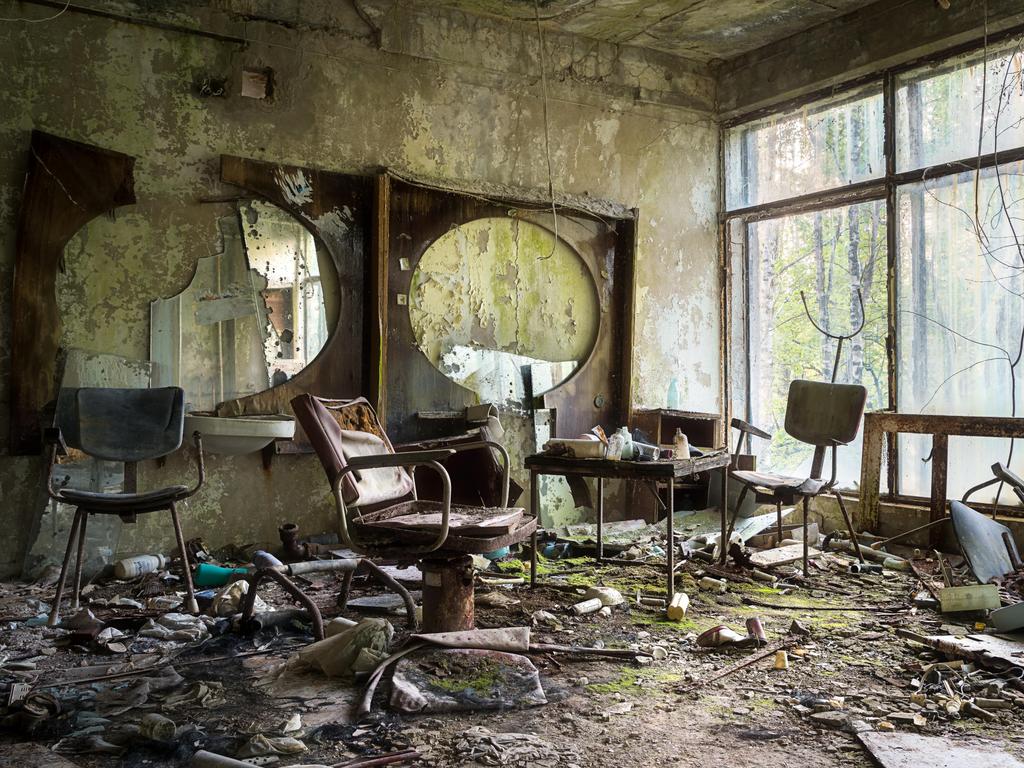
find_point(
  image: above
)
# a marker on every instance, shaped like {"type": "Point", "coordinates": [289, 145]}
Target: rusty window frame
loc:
{"type": "Point", "coordinates": [884, 187]}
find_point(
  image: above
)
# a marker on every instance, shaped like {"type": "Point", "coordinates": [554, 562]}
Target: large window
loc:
{"type": "Point", "coordinates": [933, 249]}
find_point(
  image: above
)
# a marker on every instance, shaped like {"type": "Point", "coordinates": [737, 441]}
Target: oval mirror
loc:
{"type": "Point", "coordinates": [504, 308]}
{"type": "Point", "coordinates": [252, 316]}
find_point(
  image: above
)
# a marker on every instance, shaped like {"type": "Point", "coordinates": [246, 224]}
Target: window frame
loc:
{"type": "Point", "coordinates": [885, 187]}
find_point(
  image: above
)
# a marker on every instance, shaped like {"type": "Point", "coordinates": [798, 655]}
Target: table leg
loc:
{"type": "Point", "coordinates": [670, 548]}
{"type": "Point", "coordinates": [535, 507]}
{"type": "Point", "coordinates": [600, 519]}
{"type": "Point", "coordinates": [726, 528]}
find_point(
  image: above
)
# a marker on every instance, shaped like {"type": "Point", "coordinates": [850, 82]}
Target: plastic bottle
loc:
{"type": "Point", "coordinates": [673, 395]}
{"type": "Point", "coordinates": [132, 567]}
{"type": "Point", "coordinates": [616, 444]}
{"type": "Point", "coordinates": [627, 443]}
{"type": "Point", "coordinates": [680, 445]}
{"type": "Point", "coordinates": [208, 575]}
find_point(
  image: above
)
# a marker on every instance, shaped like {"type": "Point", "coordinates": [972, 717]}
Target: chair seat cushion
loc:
{"type": "Point", "coordinates": [372, 528]}
{"type": "Point", "coordinates": [120, 503]}
{"type": "Point", "coordinates": [781, 484]}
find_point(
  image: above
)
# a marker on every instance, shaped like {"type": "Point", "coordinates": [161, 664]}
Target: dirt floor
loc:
{"type": "Point", "coordinates": [600, 711]}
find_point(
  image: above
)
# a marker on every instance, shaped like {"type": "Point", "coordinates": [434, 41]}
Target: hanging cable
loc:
{"type": "Point", "coordinates": [547, 129]}
{"type": "Point", "coordinates": [67, 5]}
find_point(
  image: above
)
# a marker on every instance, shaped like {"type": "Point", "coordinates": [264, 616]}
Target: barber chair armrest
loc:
{"type": "Point", "coordinates": [749, 429]}
{"type": "Point", "coordinates": [407, 459]}
{"type": "Point", "coordinates": [744, 429]}
{"type": "Point", "coordinates": [411, 458]}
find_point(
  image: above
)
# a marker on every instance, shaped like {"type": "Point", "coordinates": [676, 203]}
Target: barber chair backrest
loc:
{"type": "Point", "coordinates": [339, 430]}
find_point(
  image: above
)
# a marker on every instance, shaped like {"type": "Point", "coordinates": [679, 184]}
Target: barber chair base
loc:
{"type": "Point", "coordinates": [447, 594]}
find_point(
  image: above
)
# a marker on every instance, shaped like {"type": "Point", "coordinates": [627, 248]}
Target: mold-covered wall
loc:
{"type": "Point", "coordinates": [444, 95]}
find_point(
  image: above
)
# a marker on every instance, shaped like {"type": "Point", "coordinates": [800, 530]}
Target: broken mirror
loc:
{"type": "Point", "coordinates": [504, 308]}
{"type": "Point", "coordinates": [252, 317]}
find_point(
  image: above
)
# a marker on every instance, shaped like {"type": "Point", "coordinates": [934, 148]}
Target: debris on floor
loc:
{"type": "Point", "coordinates": [842, 657]}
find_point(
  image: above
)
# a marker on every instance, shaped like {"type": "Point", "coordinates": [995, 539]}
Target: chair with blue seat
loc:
{"type": "Point", "coordinates": [119, 425]}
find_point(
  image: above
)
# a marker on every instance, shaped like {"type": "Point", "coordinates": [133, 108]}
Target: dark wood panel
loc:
{"type": "Point", "coordinates": [68, 184]}
{"type": "Point", "coordinates": [337, 209]}
{"type": "Point", "coordinates": [598, 393]}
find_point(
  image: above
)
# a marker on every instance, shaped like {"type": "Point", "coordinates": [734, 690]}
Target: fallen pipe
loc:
{"type": "Point", "coordinates": [281, 575]}
{"type": "Point", "coordinates": [869, 554]}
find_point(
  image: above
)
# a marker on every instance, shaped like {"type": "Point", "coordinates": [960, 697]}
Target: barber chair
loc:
{"type": "Point", "coordinates": [818, 413]}
{"type": "Point", "coordinates": [380, 515]}
{"type": "Point", "coordinates": [122, 425]}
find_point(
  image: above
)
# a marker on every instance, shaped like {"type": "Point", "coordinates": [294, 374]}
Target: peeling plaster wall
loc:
{"type": "Point", "coordinates": [445, 95]}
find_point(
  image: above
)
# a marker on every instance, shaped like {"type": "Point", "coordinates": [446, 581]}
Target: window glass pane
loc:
{"type": "Point", "coordinates": [827, 255]}
{"type": "Point", "coordinates": [738, 364]}
{"type": "Point", "coordinates": [942, 110]}
{"type": "Point", "coordinates": [961, 315]}
{"type": "Point", "coordinates": [826, 144]}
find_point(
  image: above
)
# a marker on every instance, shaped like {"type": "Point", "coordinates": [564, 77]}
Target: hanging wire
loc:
{"type": "Point", "coordinates": [547, 129]}
{"type": "Point", "coordinates": [67, 5]}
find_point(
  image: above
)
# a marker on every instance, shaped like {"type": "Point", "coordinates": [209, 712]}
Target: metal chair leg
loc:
{"type": "Point", "coordinates": [736, 513]}
{"type": "Point", "coordinates": [807, 509]}
{"type": "Point", "coordinates": [849, 525]}
{"type": "Point", "coordinates": [190, 605]}
{"type": "Point", "coordinates": [55, 610]}
{"type": "Point", "coordinates": [346, 587]}
{"type": "Point", "coordinates": [533, 559]}
{"type": "Point", "coordinates": [76, 597]}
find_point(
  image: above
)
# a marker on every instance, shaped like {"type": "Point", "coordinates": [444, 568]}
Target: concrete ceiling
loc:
{"type": "Point", "coordinates": [703, 30]}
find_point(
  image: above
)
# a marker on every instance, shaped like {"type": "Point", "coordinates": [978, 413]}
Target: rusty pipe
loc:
{"type": "Point", "coordinates": [249, 602]}
{"type": "Point", "coordinates": [299, 550]}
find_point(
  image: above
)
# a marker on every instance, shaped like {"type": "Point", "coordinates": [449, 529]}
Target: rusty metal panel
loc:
{"type": "Point", "coordinates": [68, 184]}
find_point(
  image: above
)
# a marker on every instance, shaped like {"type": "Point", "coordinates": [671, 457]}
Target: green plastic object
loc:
{"type": "Point", "coordinates": [207, 575]}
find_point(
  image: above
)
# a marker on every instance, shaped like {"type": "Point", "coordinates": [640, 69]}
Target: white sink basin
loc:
{"type": "Point", "coordinates": [234, 435]}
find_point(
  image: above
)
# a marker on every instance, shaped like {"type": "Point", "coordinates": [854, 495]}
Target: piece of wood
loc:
{"type": "Point", "coordinates": [337, 209]}
{"type": "Point", "coordinates": [68, 184]}
{"type": "Point", "coordinates": [768, 650]}
{"type": "Point", "coordinates": [865, 514]}
{"type": "Point", "coordinates": [677, 608]}
{"type": "Point", "coordinates": [974, 597]}
{"type": "Point", "coordinates": [782, 555]}
{"type": "Point", "coordinates": [937, 504]}
{"type": "Point", "coordinates": [912, 750]}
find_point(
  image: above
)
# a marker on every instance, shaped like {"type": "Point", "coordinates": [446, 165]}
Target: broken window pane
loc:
{"type": "Point", "coordinates": [828, 255]}
{"type": "Point", "coordinates": [827, 144]}
{"type": "Point", "coordinates": [945, 109]}
{"type": "Point", "coordinates": [961, 317]}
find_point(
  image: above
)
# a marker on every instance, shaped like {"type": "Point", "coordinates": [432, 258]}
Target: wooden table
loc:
{"type": "Point", "coordinates": [650, 472]}
{"type": "Point", "coordinates": [941, 427]}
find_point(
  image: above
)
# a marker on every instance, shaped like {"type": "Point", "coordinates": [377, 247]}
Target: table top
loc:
{"type": "Point", "coordinates": [546, 464]}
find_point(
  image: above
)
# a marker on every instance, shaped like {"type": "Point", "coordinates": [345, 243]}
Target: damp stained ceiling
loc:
{"type": "Point", "coordinates": [701, 30]}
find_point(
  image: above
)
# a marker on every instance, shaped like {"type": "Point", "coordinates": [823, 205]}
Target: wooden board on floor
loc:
{"type": "Point", "coordinates": [32, 755]}
{"type": "Point", "coordinates": [911, 750]}
{"type": "Point", "coordinates": [782, 555]}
